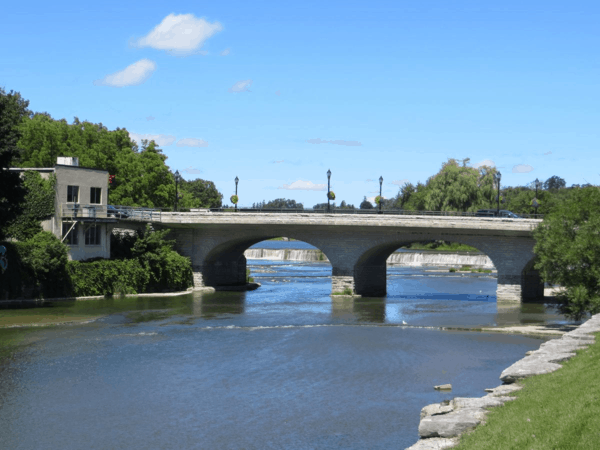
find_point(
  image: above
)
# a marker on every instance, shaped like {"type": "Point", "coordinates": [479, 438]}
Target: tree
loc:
{"type": "Point", "coordinates": [37, 207]}
{"type": "Point", "coordinates": [282, 203]}
{"type": "Point", "coordinates": [568, 252]}
{"type": "Point", "coordinates": [200, 193]}
{"type": "Point", "coordinates": [13, 109]}
{"type": "Point", "coordinates": [554, 182]}
{"type": "Point", "coordinates": [460, 188]}
{"type": "Point", "coordinates": [366, 204]}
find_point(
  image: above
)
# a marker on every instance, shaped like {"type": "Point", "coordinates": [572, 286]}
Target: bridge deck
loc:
{"type": "Point", "coordinates": [185, 220]}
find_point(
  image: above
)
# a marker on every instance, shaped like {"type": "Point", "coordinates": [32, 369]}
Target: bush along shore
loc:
{"type": "Point", "coordinates": [556, 409]}
{"type": "Point", "coordinates": [39, 268]}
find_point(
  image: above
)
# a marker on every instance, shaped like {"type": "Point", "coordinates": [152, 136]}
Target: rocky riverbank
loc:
{"type": "Point", "coordinates": [409, 258]}
{"type": "Point", "coordinates": [442, 423]}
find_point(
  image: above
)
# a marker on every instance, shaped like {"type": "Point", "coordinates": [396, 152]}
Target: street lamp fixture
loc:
{"type": "Point", "coordinates": [535, 200]}
{"type": "Point", "coordinates": [236, 183]}
{"type": "Point", "coordinates": [380, 183]}
{"type": "Point", "coordinates": [498, 176]}
{"type": "Point", "coordinates": [177, 178]}
{"type": "Point", "coordinates": [328, 189]}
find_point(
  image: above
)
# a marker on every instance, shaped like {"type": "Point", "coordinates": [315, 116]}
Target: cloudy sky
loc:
{"type": "Point", "coordinates": [278, 92]}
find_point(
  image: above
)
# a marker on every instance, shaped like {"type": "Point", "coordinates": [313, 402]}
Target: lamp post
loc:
{"type": "Point", "coordinates": [236, 183]}
{"type": "Point", "coordinates": [380, 183]}
{"type": "Point", "coordinates": [498, 176]}
{"type": "Point", "coordinates": [177, 178]}
{"type": "Point", "coordinates": [328, 179]}
{"type": "Point", "coordinates": [535, 200]}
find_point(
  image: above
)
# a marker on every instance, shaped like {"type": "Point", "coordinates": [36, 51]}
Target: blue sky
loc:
{"type": "Point", "coordinates": [277, 92]}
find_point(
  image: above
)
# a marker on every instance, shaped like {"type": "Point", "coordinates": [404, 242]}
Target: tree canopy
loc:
{"type": "Point", "coordinates": [142, 177]}
{"type": "Point", "coordinates": [13, 109]}
{"type": "Point", "coordinates": [568, 252]}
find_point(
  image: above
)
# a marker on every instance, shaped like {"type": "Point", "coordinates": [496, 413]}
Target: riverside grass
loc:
{"type": "Point", "coordinates": [555, 411]}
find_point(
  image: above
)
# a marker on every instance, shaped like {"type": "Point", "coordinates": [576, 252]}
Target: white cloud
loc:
{"type": "Point", "coordinates": [278, 93]}
{"type": "Point", "coordinates": [162, 140]}
{"type": "Point", "coordinates": [337, 142]}
{"type": "Point", "coordinates": [241, 86]}
{"type": "Point", "coordinates": [132, 75]}
{"type": "Point", "coordinates": [400, 182]}
{"type": "Point", "coordinates": [304, 186]}
{"type": "Point", "coordinates": [485, 162]}
{"type": "Point", "coordinates": [522, 168]}
{"type": "Point", "coordinates": [278, 162]}
{"type": "Point", "coordinates": [179, 34]}
{"type": "Point", "coordinates": [191, 170]}
{"type": "Point", "coordinates": [225, 52]}
{"type": "Point", "coordinates": [548, 153]}
{"type": "Point", "coordinates": [191, 142]}
{"type": "Point", "coordinates": [150, 118]}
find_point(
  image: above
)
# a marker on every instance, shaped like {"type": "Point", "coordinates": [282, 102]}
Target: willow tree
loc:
{"type": "Point", "coordinates": [459, 187]}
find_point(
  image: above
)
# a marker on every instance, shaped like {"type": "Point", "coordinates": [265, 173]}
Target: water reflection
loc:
{"type": "Point", "coordinates": [347, 309]}
{"type": "Point", "coordinates": [520, 313]}
{"type": "Point", "coordinates": [213, 305]}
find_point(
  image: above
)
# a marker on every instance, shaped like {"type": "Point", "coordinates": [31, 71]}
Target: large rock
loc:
{"type": "Point", "coordinates": [436, 408]}
{"type": "Point", "coordinates": [434, 444]}
{"type": "Point", "coordinates": [526, 368]}
{"type": "Point", "coordinates": [503, 390]}
{"type": "Point", "coordinates": [451, 424]}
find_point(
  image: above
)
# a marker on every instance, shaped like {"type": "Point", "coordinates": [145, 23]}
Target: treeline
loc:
{"type": "Point", "coordinates": [39, 268]}
{"type": "Point", "coordinates": [142, 177]}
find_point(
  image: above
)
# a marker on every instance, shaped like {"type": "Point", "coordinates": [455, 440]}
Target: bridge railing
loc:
{"type": "Point", "coordinates": [363, 212]}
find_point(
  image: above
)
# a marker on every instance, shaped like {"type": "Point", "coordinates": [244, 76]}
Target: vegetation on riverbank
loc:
{"type": "Point", "coordinates": [441, 246]}
{"type": "Point", "coordinates": [559, 410]}
{"type": "Point", "coordinates": [39, 268]}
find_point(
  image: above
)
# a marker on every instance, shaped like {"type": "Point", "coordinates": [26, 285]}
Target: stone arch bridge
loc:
{"type": "Point", "coordinates": [357, 246]}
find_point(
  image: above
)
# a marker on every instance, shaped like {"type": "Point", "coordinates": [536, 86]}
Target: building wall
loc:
{"type": "Point", "coordinates": [85, 179]}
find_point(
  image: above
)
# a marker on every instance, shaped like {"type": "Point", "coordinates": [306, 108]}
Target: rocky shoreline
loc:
{"type": "Point", "coordinates": [442, 423]}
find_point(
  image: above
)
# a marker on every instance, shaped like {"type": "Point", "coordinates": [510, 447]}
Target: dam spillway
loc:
{"type": "Point", "coordinates": [412, 259]}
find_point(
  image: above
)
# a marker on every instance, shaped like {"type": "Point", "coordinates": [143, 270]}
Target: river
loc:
{"type": "Point", "coordinates": [284, 366]}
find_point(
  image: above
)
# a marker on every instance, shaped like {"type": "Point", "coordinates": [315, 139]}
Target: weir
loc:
{"type": "Point", "coordinates": [411, 259]}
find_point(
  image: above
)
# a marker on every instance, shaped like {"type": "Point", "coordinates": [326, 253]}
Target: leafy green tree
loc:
{"type": "Point", "coordinates": [568, 252]}
{"type": "Point", "coordinates": [460, 187]}
{"type": "Point", "coordinates": [555, 182]}
{"type": "Point", "coordinates": [13, 109]}
{"type": "Point", "coordinates": [44, 258]}
{"type": "Point", "coordinates": [283, 203]}
{"type": "Point", "coordinates": [366, 204]}
{"type": "Point", "coordinates": [38, 206]}
{"type": "Point", "coordinates": [199, 193]}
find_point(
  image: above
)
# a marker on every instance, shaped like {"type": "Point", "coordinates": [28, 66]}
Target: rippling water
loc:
{"type": "Point", "coordinates": [285, 366]}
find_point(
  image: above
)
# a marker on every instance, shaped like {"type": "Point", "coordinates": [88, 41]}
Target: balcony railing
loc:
{"type": "Point", "coordinates": [87, 211]}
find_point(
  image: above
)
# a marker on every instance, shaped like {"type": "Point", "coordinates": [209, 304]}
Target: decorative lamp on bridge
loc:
{"type": "Point", "coordinates": [236, 183]}
{"type": "Point", "coordinates": [380, 198]}
{"type": "Point", "coordinates": [177, 179]}
{"type": "Point", "coordinates": [497, 177]}
{"type": "Point", "coordinates": [328, 190]}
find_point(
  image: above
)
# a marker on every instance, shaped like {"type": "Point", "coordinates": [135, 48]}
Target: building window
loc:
{"type": "Point", "coordinates": [72, 194]}
{"type": "Point", "coordinates": [71, 238]}
{"type": "Point", "coordinates": [95, 195]}
{"type": "Point", "coordinates": [93, 236]}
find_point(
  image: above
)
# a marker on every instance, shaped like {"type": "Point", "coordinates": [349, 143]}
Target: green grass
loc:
{"type": "Point", "coordinates": [346, 291]}
{"type": "Point", "coordinates": [559, 410]}
{"type": "Point", "coordinates": [446, 247]}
